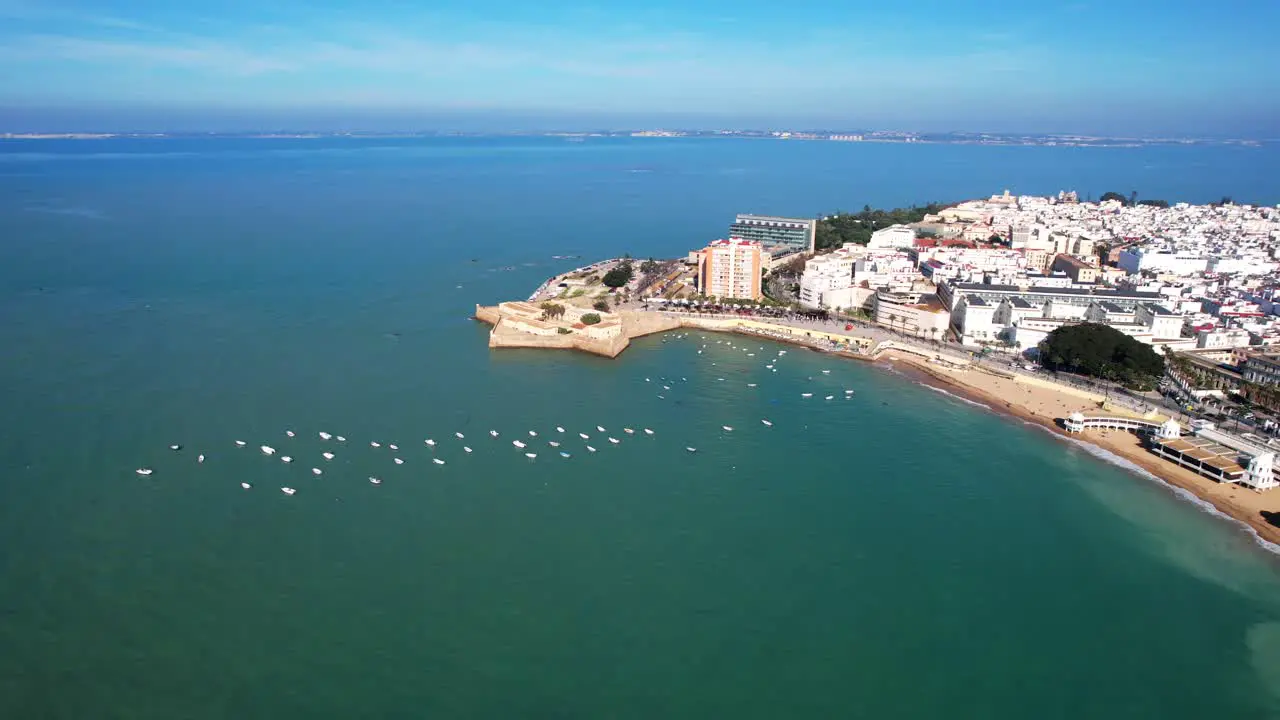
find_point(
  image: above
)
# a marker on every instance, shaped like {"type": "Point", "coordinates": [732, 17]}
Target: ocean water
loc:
{"type": "Point", "coordinates": [897, 554]}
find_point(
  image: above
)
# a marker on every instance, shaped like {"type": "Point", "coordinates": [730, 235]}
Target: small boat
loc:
{"type": "Point", "coordinates": [553, 443]}
{"type": "Point", "coordinates": [493, 433]}
{"type": "Point", "coordinates": [584, 436]}
{"type": "Point", "coordinates": [375, 481]}
{"type": "Point", "coordinates": [848, 392]}
{"type": "Point", "coordinates": [466, 449]}
{"type": "Point", "coordinates": [600, 428]}
{"type": "Point", "coordinates": [751, 384]}
{"type": "Point", "coordinates": [175, 448]}
{"type": "Point", "coordinates": [288, 490]}
{"type": "Point", "coordinates": [239, 443]}
{"type": "Point", "coordinates": [666, 387]}
{"type": "Point", "coordinates": [629, 431]}
{"type": "Point", "coordinates": [327, 456]}
{"type": "Point", "coordinates": [564, 454]}
{"type": "Point", "coordinates": [375, 444]}
{"type": "Point", "coordinates": [286, 458]}
{"type": "Point", "coordinates": [393, 446]}
{"type": "Point", "coordinates": [646, 379]}
{"type": "Point", "coordinates": [459, 435]}
{"type": "Point", "coordinates": [517, 443]}
{"type": "Point", "coordinates": [559, 429]}
{"type": "Point", "coordinates": [767, 423]}
{"type": "Point", "coordinates": [531, 455]}
{"type": "Point", "coordinates": [831, 397]}
{"type": "Point", "coordinates": [691, 449]}
{"type": "Point", "coordinates": [533, 433]}
{"type": "Point", "coordinates": [399, 461]}
{"type": "Point", "coordinates": [246, 486]}
{"type": "Point", "coordinates": [267, 450]}
{"type": "Point", "coordinates": [430, 442]}
{"type": "Point", "coordinates": [437, 461]}
{"type": "Point", "coordinates": [145, 471]}
{"type": "Point", "coordinates": [590, 449]}
{"type": "Point", "coordinates": [806, 395]}
{"type": "Point", "coordinates": [324, 435]}
{"type": "Point", "coordinates": [615, 441]}
{"type": "Point", "coordinates": [200, 458]}
{"type": "Point", "coordinates": [826, 372]}
{"type": "Point", "coordinates": [317, 471]}
{"type": "Point", "coordinates": [727, 428]}
{"type": "Point", "coordinates": [289, 433]}
{"type": "Point", "coordinates": [647, 431]}
{"type": "Point", "coordinates": [339, 438]}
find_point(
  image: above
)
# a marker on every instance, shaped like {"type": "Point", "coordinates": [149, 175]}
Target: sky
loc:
{"type": "Point", "coordinates": [1121, 67]}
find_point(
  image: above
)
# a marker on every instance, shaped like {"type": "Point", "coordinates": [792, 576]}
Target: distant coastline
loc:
{"type": "Point", "coordinates": [821, 135]}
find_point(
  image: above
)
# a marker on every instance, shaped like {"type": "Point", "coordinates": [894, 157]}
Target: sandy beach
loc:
{"type": "Point", "coordinates": [1046, 405]}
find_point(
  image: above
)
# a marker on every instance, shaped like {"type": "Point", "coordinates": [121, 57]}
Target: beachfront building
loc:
{"type": "Point", "coordinates": [825, 277]}
{"type": "Point", "coordinates": [731, 269]}
{"type": "Point", "coordinates": [973, 309]}
{"type": "Point", "coordinates": [778, 236]}
{"type": "Point", "coordinates": [911, 313]}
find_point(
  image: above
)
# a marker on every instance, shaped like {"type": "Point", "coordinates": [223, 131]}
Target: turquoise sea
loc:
{"type": "Point", "coordinates": [898, 554]}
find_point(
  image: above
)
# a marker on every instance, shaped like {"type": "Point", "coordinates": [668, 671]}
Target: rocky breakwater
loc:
{"type": "Point", "coordinates": [526, 325]}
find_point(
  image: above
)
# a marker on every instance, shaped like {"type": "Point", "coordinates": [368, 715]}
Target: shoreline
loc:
{"type": "Point", "coordinates": [1238, 504]}
{"type": "Point", "coordinates": [1041, 404]}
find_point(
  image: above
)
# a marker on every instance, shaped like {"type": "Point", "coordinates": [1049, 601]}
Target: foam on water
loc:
{"type": "Point", "coordinates": [1110, 457]}
{"type": "Point", "coordinates": [965, 400]}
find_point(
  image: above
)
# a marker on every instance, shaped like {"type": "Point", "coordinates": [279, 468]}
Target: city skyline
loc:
{"type": "Point", "coordinates": [1143, 69]}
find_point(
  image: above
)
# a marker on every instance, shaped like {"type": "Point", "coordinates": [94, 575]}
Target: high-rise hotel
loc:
{"type": "Point", "coordinates": [731, 269]}
{"type": "Point", "coordinates": [778, 236]}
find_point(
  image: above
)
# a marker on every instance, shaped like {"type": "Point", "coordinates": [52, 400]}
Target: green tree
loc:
{"type": "Point", "coordinates": [601, 305]}
{"type": "Point", "coordinates": [590, 318]}
{"type": "Point", "coordinates": [1112, 195]}
{"type": "Point", "coordinates": [551, 310]}
{"type": "Point", "coordinates": [841, 228]}
{"type": "Point", "coordinates": [649, 266]}
{"type": "Point", "coordinates": [1102, 351]}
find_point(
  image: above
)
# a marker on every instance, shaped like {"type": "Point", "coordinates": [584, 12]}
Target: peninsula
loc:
{"type": "Point", "coordinates": [965, 297]}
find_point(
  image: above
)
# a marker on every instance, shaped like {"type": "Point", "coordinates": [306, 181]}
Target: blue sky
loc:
{"type": "Point", "coordinates": [1117, 67]}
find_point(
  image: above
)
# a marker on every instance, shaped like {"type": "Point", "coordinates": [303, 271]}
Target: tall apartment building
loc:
{"type": "Point", "coordinates": [778, 236]}
{"type": "Point", "coordinates": [731, 269]}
